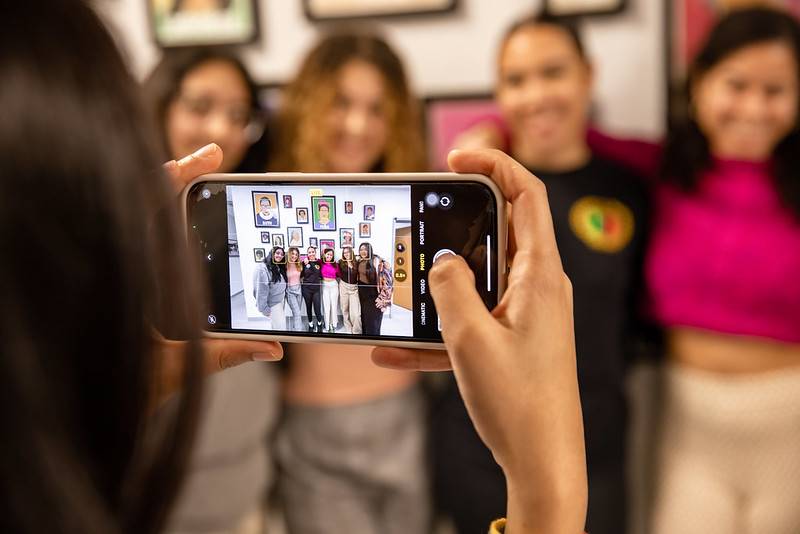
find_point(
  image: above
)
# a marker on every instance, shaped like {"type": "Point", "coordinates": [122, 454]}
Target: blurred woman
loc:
{"type": "Point", "coordinates": [600, 212]}
{"type": "Point", "coordinates": [348, 291]}
{"type": "Point", "coordinates": [294, 294]}
{"type": "Point", "coordinates": [351, 448]}
{"type": "Point", "coordinates": [269, 288]}
{"type": "Point", "coordinates": [330, 290]}
{"type": "Point", "coordinates": [198, 96]}
{"type": "Point", "coordinates": [203, 95]}
{"type": "Point", "coordinates": [722, 272]}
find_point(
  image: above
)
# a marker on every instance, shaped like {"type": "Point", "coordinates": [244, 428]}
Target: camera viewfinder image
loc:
{"type": "Point", "coordinates": [335, 275]}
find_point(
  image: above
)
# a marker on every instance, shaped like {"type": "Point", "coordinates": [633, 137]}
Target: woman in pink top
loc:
{"type": "Point", "coordinates": [330, 290]}
{"type": "Point", "coordinates": [722, 272]}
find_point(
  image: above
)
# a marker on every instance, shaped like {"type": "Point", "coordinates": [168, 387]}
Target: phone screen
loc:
{"type": "Point", "coordinates": [338, 259]}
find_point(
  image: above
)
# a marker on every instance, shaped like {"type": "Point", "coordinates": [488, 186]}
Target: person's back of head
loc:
{"type": "Point", "coordinates": [82, 191]}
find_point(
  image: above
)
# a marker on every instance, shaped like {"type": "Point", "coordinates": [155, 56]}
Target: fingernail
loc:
{"type": "Point", "coordinates": [202, 153]}
{"type": "Point", "coordinates": [207, 151]}
{"type": "Point", "coordinates": [264, 357]}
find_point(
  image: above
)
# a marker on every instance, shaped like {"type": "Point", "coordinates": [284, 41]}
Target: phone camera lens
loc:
{"type": "Point", "coordinates": [206, 194]}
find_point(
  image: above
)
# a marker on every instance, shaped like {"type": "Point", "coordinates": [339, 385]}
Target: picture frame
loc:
{"type": "Point", "coordinates": [266, 215]}
{"type": "Point", "coordinates": [326, 243]}
{"type": "Point", "coordinates": [328, 10]}
{"type": "Point", "coordinates": [265, 237]}
{"type": "Point", "coordinates": [173, 24]}
{"type": "Point", "coordinates": [369, 212]}
{"type": "Point", "coordinates": [347, 237]}
{"type": "Point", "coordinates": [287, 201]}
{"type": "Point", "coordinates": [574, 8]}
{"type": "Point", "coordinates": [294, 236]}
{"type": "Point", "coordinates": [277, 240]}
{"type": "Point", "coordinates": [301, 215]}
{"type": "Point", "coordinates": [448, 115]}
{"type": "Point", "coordinates": [364, 229]}
{"type": "Point", "coordinates": [348, 206]}
{"type": "Point", "coordinates": [321, 221]}
{"type": "Point", "coordinates": [312, 242]}
{"type": "Point", "coordinates": [259, 254]}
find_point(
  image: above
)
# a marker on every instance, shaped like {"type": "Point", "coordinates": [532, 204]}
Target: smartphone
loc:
{"type": "Point", "coordinates": [350, 252]}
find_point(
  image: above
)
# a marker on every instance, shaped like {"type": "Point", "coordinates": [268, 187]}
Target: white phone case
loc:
{"type": "Point", "coordinates": [409, 178]}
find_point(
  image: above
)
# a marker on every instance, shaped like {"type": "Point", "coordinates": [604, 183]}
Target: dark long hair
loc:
{"type": "Point", "coordinates": [687, 151]}
{"type": "Point", "coordinates": [92, 264]}
{"type": "Point", "coordinates": [163, 85]}
{"type": "Point", "coordinates": [276, 270]}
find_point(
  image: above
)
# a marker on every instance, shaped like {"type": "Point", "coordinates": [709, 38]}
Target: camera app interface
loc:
{"type": "Point", "coordinates": [338, 260]}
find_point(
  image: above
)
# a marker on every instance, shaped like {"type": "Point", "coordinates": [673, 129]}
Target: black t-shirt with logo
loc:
{"type": "Point", "coordinates": [311, 275]}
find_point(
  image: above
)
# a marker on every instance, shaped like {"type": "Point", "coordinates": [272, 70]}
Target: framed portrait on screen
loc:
{"type": "Point", "coordinates": [323, 213]}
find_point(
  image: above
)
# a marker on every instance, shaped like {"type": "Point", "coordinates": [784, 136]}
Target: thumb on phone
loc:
{"type": "Point", "coordinates": [463, 314]}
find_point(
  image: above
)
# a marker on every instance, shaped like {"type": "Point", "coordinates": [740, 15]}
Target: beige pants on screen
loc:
{"type": "Point", "coordinates": [730, 454]}
{"type": "Point", "coordinates": [351, 307]}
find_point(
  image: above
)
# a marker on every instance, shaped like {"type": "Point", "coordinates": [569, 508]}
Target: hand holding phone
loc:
{"type": "Point", "coordinates": [515, 366]}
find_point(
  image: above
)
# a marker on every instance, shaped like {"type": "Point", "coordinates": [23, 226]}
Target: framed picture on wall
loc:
{"type": "Point", "coordinates": [447, 116]}
{"type": "Point", "coordinates": [346, 237]}
{"type": "Point", "coordinates": [277, 240]}
{"type": "Point", "coordinates": [302, 215]}
{"type": "Point", "coordinates": [365, 229]}
{"type": "Point", "coordinates": [295, 236]}
{"type": "Point", "coordinates": [369, 212]}
{"type": "Point", "coordinates": [348, 206]}
{"type": "Point", "coordinates": [570, 8]}
{"type": "Point", "coordinates": [265, 209]}
{"type": "Point", "coordinates": [259, 254]}
{"type": "Point", "coordinates": [312, 242]}
{"type": "Point", "coordinates": [323, 213]}
{"type": "Point", "coordinates": [265, 237]}
{"type": "Point", "coordinates": [177, 23]}
{"type": "Point", "coordinates": [327, 243]}
{"type": "Point", "coordinates": [319, 10]}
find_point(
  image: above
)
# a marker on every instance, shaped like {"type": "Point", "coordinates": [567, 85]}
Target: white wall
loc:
{"type": "Point", "coordinates": [391, 202]}
{"type": "Point", "coordinates": [454, 52]}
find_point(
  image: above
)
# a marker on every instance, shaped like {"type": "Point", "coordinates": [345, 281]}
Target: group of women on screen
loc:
{"type": "Point", "coordinates": [696, 239]}
{"type": "Point", "coordinates": [360, 285]}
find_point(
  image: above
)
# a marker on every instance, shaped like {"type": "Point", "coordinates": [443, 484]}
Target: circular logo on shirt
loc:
{"type": "Point", "coordinates": [603, 224]}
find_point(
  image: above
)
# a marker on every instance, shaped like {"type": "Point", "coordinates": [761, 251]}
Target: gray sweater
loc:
{"type": "Point", "coordinates": [266, 291]}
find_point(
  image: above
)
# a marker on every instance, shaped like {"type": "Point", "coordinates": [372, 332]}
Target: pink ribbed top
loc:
{"type": "Point", "coordinates": [725, 257]}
